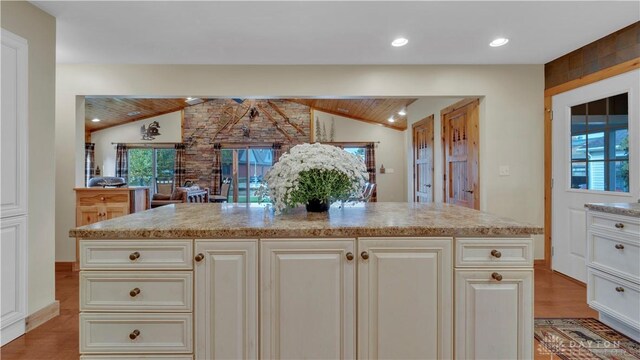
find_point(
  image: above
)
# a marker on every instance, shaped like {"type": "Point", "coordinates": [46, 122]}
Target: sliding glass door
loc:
{"type": "Point", "coordinates": [152, 167]}
{"type": "Point", "coordinates": [244, 167]}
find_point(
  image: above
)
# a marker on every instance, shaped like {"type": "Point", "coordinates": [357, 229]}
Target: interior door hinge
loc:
{"type": "Point", "coordinates": [551, 114]}
{"type": "Point", "coordinates": [552, 183]}
{"type": "Point", "coordinates": [552, 252]}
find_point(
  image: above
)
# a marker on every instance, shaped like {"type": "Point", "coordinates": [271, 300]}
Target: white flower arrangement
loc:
{"type": "Point", "coordinates": [313, 172]}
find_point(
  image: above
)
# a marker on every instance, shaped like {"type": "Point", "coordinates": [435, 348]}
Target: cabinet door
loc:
{"type": "Point", "coordinates": [115, 210]}
{"type": "Point", "coordinates": [86, 215]}
{"type": "Point", "coordinates": [405, 295]}
{"type": "Point", "coordinates": [13, 125]}
{"type": "Point", "coordinates": [13, 240]}
{"type": "Point", "coordinates": [494, 314]}
{"type": "Point", "coordinates": [307, 299]}
{"type": "Point", "coordinates": [226, 296]}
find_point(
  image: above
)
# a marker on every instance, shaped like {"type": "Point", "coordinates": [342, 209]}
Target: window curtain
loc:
{"type": "Point", "coordinates": [216, 173]}
{"type": "Point", "coordinates": [179, 169]}
{"type": "Point", "coordinates": [370, 162]}
{"type": "Point", "coordinates": [276, 152]}
{"type": "Point", "coordinates": [89, 162]}
{"type": "Point", "coordinates": [122, 162]}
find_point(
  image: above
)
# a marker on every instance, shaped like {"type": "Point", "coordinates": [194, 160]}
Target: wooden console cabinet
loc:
{"type": "Point", "coordinates": [99, 204]}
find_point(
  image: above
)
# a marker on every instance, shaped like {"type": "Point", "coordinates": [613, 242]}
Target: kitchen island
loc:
{"type": "Point", "coordinates": [376, 280]}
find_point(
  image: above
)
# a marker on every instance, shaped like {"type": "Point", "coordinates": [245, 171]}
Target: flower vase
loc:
{"type": "Point", "coordinates": [316, 205]}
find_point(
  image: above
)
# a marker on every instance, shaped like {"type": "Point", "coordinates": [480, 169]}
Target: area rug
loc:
{"type": "Point", "coordinates": [571, 339]}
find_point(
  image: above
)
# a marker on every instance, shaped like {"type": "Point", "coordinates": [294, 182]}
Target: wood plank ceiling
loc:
{"type": "Point", "coordinates": [371, 110]}
{"type": "Point", "coordinates": [117, 111]}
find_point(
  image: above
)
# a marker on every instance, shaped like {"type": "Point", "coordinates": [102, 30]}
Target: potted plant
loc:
{"type": "Point", "coordinates": [314, 175]}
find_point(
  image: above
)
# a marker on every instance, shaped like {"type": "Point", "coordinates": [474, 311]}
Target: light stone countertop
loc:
{"type": "Point", "coordinates": [216, 221]}
{"type": "Point", "coordinates": [626, 209]}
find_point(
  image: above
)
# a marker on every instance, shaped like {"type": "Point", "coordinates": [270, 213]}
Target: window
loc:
{"type": "Point", "coordinates": [152, 167]}
{"type": "Point", "coordinates": [244, 169]}
{"type": "Point", "coordinates": [357, 151]}
{"type": "Point", "coordinates": [600, 145]}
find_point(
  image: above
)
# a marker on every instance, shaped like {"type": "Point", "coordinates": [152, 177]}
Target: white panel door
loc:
{"type": "Point", "coordinates": [226, 312]}
{"type": "Point", "coordinates": [13, 129]}
{"type": "Point", "coordinates": [13, 238]}
{"type": "Point", "coordinates": [588, 151]}
{"type": "Point", "coordinates": [405, 297]}
{"type": "Point", "coordinates": [307, 299]}
{"type": "Point", "coordinates": [494, 314]}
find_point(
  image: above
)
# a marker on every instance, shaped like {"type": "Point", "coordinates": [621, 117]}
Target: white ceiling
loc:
{"type": "Point", "coordinates": [332, 32]}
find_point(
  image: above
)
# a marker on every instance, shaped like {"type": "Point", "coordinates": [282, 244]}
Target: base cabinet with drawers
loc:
{"type": "Point", "coordinates": [345, 298]}
{"type": "Point", "coordinates": [613, 270]}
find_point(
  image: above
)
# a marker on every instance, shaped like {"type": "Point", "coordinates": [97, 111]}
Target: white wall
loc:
{"type": "Point", "coordinates": [105, 152]}
{"type": "Point", "coordinates": [39, 28]}
{"type": "Point", "coordinates": [390, 152]}
{"type": "Point", "coordinates": [511, 116]}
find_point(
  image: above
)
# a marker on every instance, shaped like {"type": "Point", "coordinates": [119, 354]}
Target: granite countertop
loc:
{"type": "Point", "coordinates": [626, 209]}
{"type": "Point", "coordinates": [210, 221]}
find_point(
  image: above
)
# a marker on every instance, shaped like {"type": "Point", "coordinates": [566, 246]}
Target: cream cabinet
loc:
{"type": "Point", "coordinates": [613, 274]}
{"type": "Point", "coordinates": [405, 297]}
{"type": "Point", "coordinates": [226, 302]}
{"type": "Point", "coordinates": [307, 299]}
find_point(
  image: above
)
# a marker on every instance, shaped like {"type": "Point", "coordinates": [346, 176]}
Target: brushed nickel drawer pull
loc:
{"type": "Point", "coordinates": [134, 256]}
{"type": "Point", "coordinates": [619, 246]}
{"type": "Point", "coordinates": [619, 225]}
{"type": "Point", "coordinates": [134, 334]}
{"type": "Point", "coordinates": [199, 257]}
{"type": "Point", "coordinates": [495, 253]}
{"type": "Point", "coordinates": [134, 292]}
{"type": "Point", "coordinates": [349, 256]}
{"type": "Point", "coordinates": [496, 276]}
{"type": "Point", "coordinates": [620, 289]}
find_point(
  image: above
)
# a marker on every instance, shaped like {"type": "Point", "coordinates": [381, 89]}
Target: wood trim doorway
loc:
{"type": "Point", "coordinates": [548, 137]}
{"type": "Point", "coordinates": [461, 153]}
{"type": "Point", "coordinates": [423, 159]}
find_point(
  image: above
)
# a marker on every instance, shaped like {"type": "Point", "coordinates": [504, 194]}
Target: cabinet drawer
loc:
{"type": "Point", "coordinates": [617, 255]}
{"type": "Point", "coordinates": [494, 252]}
{"type": "Point", "coordinates": [153, 333]}
{"type": "Point", "coordinates": [96, 198]}
{"type": "Point", "coordinates": [136, 254]}
{"type": "Point", "coordinates": [616, 224]}
{"type": "Point", "coordinates": [136, 291]}
{"type": "Point", "coordinates": [615, 297]}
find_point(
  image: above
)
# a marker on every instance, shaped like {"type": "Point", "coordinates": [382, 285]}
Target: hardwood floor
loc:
{"type": "Point", "coordinates": [555, 296]}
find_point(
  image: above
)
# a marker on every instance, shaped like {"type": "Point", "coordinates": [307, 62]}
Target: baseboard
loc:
{"type": "Point", "coordinates": [64, 265]}
{"type": "Point", "coordinates": [578, 282]}
{"type": "Point", "coordinates": [42, 316]}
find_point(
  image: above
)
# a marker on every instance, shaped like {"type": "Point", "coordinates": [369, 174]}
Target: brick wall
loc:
{"type": "Point", "coordinates": [201, 122]}
{"type": "Point", "coordinates": [613, 49]}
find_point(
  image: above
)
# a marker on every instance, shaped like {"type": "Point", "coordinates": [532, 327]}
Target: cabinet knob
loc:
{"type": "Point", "coordinates": [496, 276]}
{"type": "Point", "coordinates": [349, 256]}
{"type": "Point", "coordinates": [364, 255]}
{"type": "Point", "coordinates": [199, 257]}
{"type": "Point", "coordinates": [620, 289]}
{"type": "Point", "coordinates": [496, 253]}
{"type": "Point", "coordinates": [619, 246]}
{"type": "Point", "coordinates": [134, 334]}
{"type": "Point", "coordinates": [134, 256]}
{"type": "Point", "coordinates": [134, 292]}
{"type": "Point", "coordinates": [619, 225]}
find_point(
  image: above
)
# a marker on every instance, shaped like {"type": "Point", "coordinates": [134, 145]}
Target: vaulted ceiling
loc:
{"type": "Point", "coordinates": [116, 111]}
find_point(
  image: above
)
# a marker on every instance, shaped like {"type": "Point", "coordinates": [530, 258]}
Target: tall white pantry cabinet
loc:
{"type": "Point", "coordinates": [13, 184]}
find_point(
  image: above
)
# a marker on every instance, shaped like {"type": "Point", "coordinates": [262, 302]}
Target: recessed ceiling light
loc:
{"type": "Point", "coordinates": [189, 99]}
{"type": "Point", "coordinates": [391, 119]}
{"type": "Point", "coordinates": [402, 112]}
{"type": "Point", "coordinates": [133, 113]}
{"type": "Point", "coordinates": [96, 120]}
{"type": "Point", "coordinates": [499, 42]}
{"type": "Point", "coordinates": [399, 42]}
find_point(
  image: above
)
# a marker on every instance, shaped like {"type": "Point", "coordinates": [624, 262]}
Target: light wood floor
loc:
{"type": "Point", "coordinates": [555, 296]}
